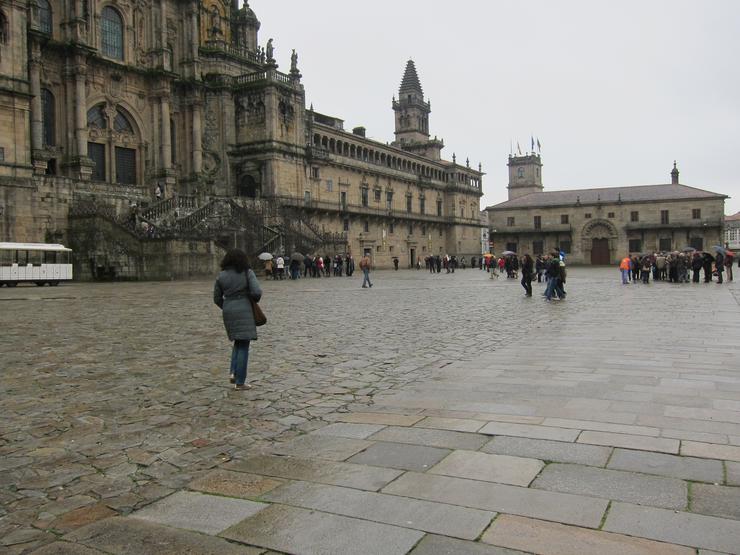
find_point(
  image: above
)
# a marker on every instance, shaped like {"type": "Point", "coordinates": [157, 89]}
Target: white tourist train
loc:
{"type": "Point", "coordinates": [38, 263]}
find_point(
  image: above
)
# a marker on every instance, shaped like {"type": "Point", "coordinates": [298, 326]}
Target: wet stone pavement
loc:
{"type": "Point", "coordinates": [430, 414]}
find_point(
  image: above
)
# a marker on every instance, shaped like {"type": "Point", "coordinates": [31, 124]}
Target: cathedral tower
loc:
{"type": "Point", "coordinates": [412, 117]}
{"type": "Point", "coordinates": [525, 175]}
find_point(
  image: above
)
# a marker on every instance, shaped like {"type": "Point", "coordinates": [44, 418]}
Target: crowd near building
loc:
{"type": "Point", "coordinates": [598, 226]}
{"type": "Point", "coordinates": [173, 117]}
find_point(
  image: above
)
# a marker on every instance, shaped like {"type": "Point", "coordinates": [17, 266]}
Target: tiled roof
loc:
{"type": "Point", "coordinates": [636, 193]}
{"type": "Point", "coordinates": [733, 218]}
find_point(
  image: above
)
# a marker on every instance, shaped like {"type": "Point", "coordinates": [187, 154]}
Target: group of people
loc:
{"type": "Point", "coordinates": [678, 267]}
{"type": "Point", "coordinates": [551, 268]}
{"type": "Point", "coordinates": [309, 266]}
{"type": "Point", "coordinates": [437, 263]}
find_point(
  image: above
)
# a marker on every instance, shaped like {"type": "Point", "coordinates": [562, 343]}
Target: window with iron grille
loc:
{"type": "Point", "coordinates": [122, 124]}
{"type": "Point", "coordinates": [563, 218]}
{"type": "Point", "coordinates": [364, 196]}
{"type": "Point", "coordinates": [664, 244]}
{"type": "Point", "coordinates": [111, 27]}
{"type": "Point", "coordinates": [587, 215]}
{"type": "Point", "coordinates": [96, 117]}
{"type": "Point", "coordinates": [47, 106]}
{"type": "Point", "coordinates": [96, 153]}
{"type": "Point", "coordinates": [45, 22]}
{"type": "Point", "coordinates": [664, 217]}
{"type": "Point", "coordinates": [366, 226]}
{"type": "Point", "coordinates": [634, 216]}
{"type": "Point", "coordinates": [635, 245]}
{"type": "Point", "coordinates": [610, 215]}
{"type": "Point", "coordinates": [377, 195]}
{"type": "Point", "coordinates": [697, 243]}
{"type": "Point", "coordinates": [125, 165]}
{"type": "Point", "coordinates": [537, 247]}
{"type": "Point", "coordinates": [696, 213]}
{"type": "Point", "coordinates": [510, 221]}
{"type": "Point", "coordinates": [389, 200]}
{"type": "Point", "coordinates": [538, 222]}
{"type": "Point", "coordinates": [511, 247]}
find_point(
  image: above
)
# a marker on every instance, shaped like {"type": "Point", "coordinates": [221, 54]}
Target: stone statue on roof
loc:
{"type": "Point", "coordinates": [294, 62]}
{"type": "Point", "coordinates": [269, 51]}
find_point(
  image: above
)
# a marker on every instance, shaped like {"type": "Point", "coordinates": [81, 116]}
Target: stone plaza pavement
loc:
{"type": "Point", "coordinates": [431, 414]}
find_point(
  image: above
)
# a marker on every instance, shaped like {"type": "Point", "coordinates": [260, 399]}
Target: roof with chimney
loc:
{"type": "Point", "coordinates": [410, 82]}
{"type": "Point", "coordinates": [608, 195]}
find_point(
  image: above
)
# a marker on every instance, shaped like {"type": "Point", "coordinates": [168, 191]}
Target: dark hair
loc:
{"type": "Point", "coordinates": [236, 260]}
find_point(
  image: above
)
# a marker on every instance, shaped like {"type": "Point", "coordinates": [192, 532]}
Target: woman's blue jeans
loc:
{"type": "Point", "coordinates": [239, 359]}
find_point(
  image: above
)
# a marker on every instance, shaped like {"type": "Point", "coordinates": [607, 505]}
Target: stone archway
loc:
{"type": "Point", "coordinates": [599, 240]}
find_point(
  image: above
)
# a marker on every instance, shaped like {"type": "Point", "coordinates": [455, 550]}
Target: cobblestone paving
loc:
{"type": "Point", "coordinates": [620, 400]}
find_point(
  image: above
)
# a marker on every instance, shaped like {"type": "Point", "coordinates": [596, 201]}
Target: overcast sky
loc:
{"type": "Point", "coordinates": [615, 91]}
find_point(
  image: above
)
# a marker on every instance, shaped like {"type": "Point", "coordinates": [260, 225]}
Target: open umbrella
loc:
{"type": "Point", "coordinates": [297, 256]}
{"type": "Point", "coordinates": [265, 256]}
{"type": "Point", "coordinates": [688, 249]}
{"type": "Point", "coordinates": [721, 249]}
{"type": "Point", "coordinates": [508, 253]}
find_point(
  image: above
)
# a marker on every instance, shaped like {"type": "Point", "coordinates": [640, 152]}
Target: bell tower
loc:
{"type": "Point", "coordinates": [412, 117]}
{"type": "Point", "coordinates": [525, 175]}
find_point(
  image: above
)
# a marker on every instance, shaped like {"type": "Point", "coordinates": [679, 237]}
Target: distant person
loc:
{"type": "Point", "coordinates": [719, 264]}
{"type": "Point", "coordinates": [365, 267]}
{"type": "Point", "coordinates": [235, 282]}
{"type": "Point", "coordinates": [395, 264]}
{"type": "Point", "coordinates": [624, 267]}
{"type": "Point", "coordinates": [280, 266]}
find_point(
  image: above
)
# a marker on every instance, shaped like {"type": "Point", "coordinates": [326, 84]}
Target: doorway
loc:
{"type": "Point", "coordinates": [412, 258]}
{"type": "Point", "coordinates": [600, 252]}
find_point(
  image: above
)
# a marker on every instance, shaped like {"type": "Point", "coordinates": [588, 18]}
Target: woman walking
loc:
{"type": "Point", "coordinates": [230, 291]}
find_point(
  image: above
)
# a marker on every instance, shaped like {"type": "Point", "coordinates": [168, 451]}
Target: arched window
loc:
{"type": "Point", "coordinates": [48, 114]}
{"type": "Point", "coordinates": [96, 117]}
{"type": "Point", "coordinates": [45, 19]}
{"type": "Point", "coordinates": [111, 33]}
{"type": "Point", "coordinates": [121, 122]}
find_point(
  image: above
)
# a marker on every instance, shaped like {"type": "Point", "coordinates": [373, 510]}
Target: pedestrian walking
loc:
{"type": "Point", "coordinates": [365, 267]}
{"type": "Point", "coordinates": [527, 267]}
{"type": "Point", "coordinates": [719, 264]}
{"type": "Point", "coordinates": [233, 286]}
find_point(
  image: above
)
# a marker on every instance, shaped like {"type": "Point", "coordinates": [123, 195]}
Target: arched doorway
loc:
{"type": "Point", "coordinates": [598, 238]}
{"type": "Point", "coordinates": [600, 251]}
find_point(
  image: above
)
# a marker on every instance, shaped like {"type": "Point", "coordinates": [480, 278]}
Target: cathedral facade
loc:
{"type": "Point", "coordinates": [170, 113]}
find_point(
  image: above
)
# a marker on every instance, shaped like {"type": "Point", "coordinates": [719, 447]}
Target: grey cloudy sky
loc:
{"type": "Point", "coordinates": [615, 91]}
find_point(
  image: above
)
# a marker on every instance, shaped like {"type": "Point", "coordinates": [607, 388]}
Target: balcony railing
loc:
{"type": "Point", "coordinates": [531, 230]}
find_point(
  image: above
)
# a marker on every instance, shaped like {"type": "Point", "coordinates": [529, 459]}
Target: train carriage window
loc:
{"type": "Point", "coordinates": [35, 257]}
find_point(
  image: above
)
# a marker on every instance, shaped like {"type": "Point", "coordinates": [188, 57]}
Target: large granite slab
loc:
{"type": "Point", "coordinates": [349, 430]}
{"type": "Point", "coordinates": [321, 447]}
{"type": "Point", "coordinates": [546, 505]}
{"type": "Point", "coordinates": [234, 484]}
{"type": "Point", "coordinates": [708, 532]}
{"type": "Point", "coordinates": [643, 443]}
{"type": "Point", "coordinates": [556, 451]}
{"type": "Point", "coordinates": [440, 545]}
{"type": "Point", "coordinates": [686, 468]}
{"type": "Point", "coordinates": [430, 437]}
{"type": "Point", "coordinates": [551, 538]}
{"type": "Point", "coordinates": [124, 536]}
{"type": "Point", "coordinates": [502, 469]}
{"type": "Point", "coordinates": [529, 430]}
{"type": "Point", "coordinates": [306, 532]}
{"type": "Point", "coordinates": [326, 472]}
{"type": "Point", "coordinates": [656, 491]}
{"type": "Point", "coordinates": [209, 514]}
{"type": "Point", "coordinates": [438, 518]}
{"type": "Point", "coordinates": [400, 455]}
{"type": "Point", "coordinates": [714, 500]}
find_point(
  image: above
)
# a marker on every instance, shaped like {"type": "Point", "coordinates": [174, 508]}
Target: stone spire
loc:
{"type": "Point", "coordinates": [410, 83]}
{"type": "Point", "coordinates": [674, 174]}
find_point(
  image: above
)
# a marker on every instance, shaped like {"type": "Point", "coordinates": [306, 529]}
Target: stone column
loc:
{"type": "Point", "coordinates": [166, 153]}
{"type": "Point", "coordinates": [197, 139]}
{"type": "Point", "coordinates": [37, 126]}
{"type": "Point", "coordinates": [80, 112]}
